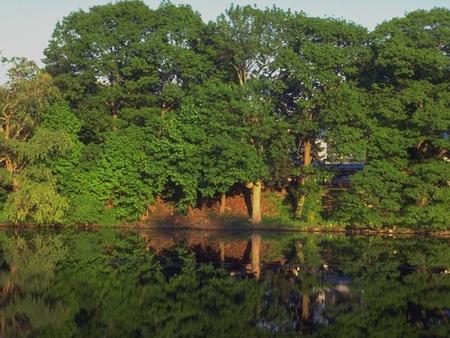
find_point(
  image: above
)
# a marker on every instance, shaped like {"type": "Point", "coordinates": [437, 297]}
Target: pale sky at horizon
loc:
{"type": "Point", "coordinates": [27, 25]}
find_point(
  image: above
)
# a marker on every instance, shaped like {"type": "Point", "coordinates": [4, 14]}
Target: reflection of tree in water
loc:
{"type": "Point", "coordinates": [25, 303]}
{"type": "Point", "coordinates": [300, 291]}
{"type": "Point", "coordinates": [347, 287]}
{"type": "Point", "coordinates": [113, 285]}
{"type": "Point", "coordinates": [404, 290]}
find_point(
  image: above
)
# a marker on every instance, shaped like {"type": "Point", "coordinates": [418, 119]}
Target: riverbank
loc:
{"type": "Point", "coordinates": [308, 229]}
{"type": "Point", "coordinates": [247, 227]}
{"type": "Point", "coordinates": [277, 217]}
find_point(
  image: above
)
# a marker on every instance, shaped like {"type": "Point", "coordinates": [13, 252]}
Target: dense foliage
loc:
{"type": "Point", "coordinates": [138, 104]}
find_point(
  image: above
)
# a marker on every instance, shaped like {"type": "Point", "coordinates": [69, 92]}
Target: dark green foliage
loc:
{"type": "Point", "coordinates": [122, 175]}
{"type": "Point", "coordinates": [215, 112]}
{"type": "Point", "coordinates": [406, 180]}
{"type": "Point", "coordinates": [25, 296]}
{"type": "Point", "coordinates": [86, 210]}
{"type": "Point", "coordinates": [112, 286]}
{"type": "Point", "coordinates": [122, 63]}
{"type": "Point", "coordinates": [163, 105]}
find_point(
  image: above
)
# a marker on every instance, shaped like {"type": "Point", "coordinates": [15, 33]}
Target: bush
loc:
{"type": "Point", "coordinates": [86, 209]}
{"type": "Point", "coordinates": [36, 202]}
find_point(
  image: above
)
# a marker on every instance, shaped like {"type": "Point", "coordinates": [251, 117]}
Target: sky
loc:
{"type": "Point", "coordinates": [27, 25]}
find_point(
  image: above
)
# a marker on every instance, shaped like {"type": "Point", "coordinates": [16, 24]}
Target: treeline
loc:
{"type": "Point", "coordinates": [137, 103]}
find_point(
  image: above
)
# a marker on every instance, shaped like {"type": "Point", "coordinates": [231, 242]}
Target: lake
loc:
{"type": "Point", "coordinates": [142, 283]}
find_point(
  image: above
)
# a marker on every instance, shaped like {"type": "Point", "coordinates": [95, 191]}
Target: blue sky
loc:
{"type": "Point", "coordinates": [26, 25]}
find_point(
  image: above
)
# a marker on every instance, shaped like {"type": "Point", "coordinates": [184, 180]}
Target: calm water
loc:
{"type": "Point", "coordinates": [196, 284]}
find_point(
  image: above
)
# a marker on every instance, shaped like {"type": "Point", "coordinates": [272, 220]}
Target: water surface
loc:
{"type": "Point", "coordinates": [109, 283]}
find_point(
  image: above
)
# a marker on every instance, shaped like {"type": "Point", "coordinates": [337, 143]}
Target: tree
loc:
{"type": "Point", "coordinates": [319, 56]}
{"type": "Point", "coordinates": [178, 53]}
{"type": "Point", "coordinates": [26, 144]}
{"type": "Point", "coordinates": [23, 101]}
{"type": "Point", "coordinates": [124, 63]}
{"type": "Point", "coordinates": [244, 43]}
{"type": "Point", "coordinates": [121, 172]}
{"type": "Point", "coordinates": [406, 178]}
{"type": "Point", "coordinates": [169, 106]}
{"type": "Point", "coordinates": [98, 61]}
{"type": "Point", "coordinates": [213, 111]}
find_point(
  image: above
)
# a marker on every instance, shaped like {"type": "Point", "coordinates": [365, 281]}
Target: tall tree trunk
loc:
{"type": "Point", "coordinates": [256, 247]}
{"type": "Point", "coordinates": [223, 202]}
{"type": "Point", "coordinates": [256, 203]}
{"type": "Point", "coordinates": [256, 187]}
{"type": "Point", "coordinates": [307, 160]}
{"type": "Point", "coordinates": [307, 153]}
{"type": "Point", "coordinates": [306, 302]}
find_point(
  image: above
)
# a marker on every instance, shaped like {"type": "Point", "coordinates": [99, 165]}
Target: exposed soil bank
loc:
{"type": "Point", "coordinates": [163, 216]}
{"type": "Point", "coordinates": [236, 218]}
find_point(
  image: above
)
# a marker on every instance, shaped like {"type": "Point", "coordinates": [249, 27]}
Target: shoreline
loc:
{"type": "Point", "coordinates": [251, 228]}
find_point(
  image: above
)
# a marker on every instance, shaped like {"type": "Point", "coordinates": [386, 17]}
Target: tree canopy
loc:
{"type": "Point", "coordinates": [139, 104]}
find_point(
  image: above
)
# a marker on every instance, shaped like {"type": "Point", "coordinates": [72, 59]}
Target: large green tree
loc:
{"type": "Point", "coordinates": [406, 178]}
{"type": "Point", "coordinates": [27, 144]}
{"type": "Point", "coordinates": [319, 56]}
{"type": "Point", "coordinates": [244, 43]}
{"type": "Point", "coordinates": [226, 159]}
{"type": "Point", "coordinates": [123, 172]}
{"type": "Point", "coordinates": [168, 105]}
{"type": "Point", "coordinates": [98, 60]}
{"type": "Point", "coordinates": [123, 63]}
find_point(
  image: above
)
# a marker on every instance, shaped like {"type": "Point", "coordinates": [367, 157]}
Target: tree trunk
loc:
{"type": "Point", "coordinates": [256, 247]}
{"type": "Point", "coordinates": [256, 203]}
{"type": "Point", "coordinates": [256, 187]}
{"type": "Point", "coordinates": [307, 153]}
{"type": "Point", "coordinates": [307, 160]}
{"type": "Point", "coordinates": [223, 202]}
{"type": "Point", "coordinates": [306, 313]}
{"type": "Point", "coordinates": [5, 128]}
